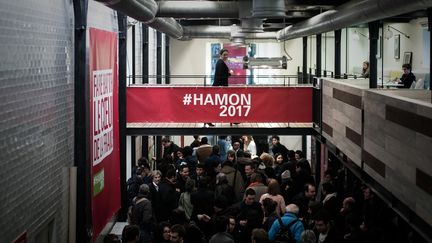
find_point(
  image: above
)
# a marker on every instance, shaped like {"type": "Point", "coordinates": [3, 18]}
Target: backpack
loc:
{"type": "Point", "coordinates": [285, 234]}
{"type": "Point", "coordinates": [133, 218]}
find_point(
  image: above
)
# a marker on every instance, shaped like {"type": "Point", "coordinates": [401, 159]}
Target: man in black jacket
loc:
{"type": "Point", "coordinates": [222, 71]}
{"type": "Point", "coordinates": [407, 77]}
{"type": "Point", "coordinates": [169, 197]}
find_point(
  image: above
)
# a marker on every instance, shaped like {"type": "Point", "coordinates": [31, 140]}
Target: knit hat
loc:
{"type": "Point", "coordinates": [286, 175]}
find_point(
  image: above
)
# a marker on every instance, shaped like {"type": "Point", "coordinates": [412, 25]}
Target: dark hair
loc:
{"type": "Point", "coordinates": [200, 165]}
{"type": "Point", "coordinates": [170, 173]}
{"type": "Point", "coordinates": [407, 66]}
{"type": "Point", "coordinates": [250, 191]}
{"type": "Point", "coordinates": [142, 162]}
{"type": "Point", "coordinates": [182, 167]}
{"type": "Point", "coordinates": [328, 187]}
{"type": "Point", "coordinates": [300, 153]}
{"type": "Point", "coordinates": [276, 137]}
{"type": "Point", "coordinates": [260, 235]}
{"type": "Point", "coordinates": [189, 185]}
{"type": "Point", "coordinates": [187, 151]}
{"type": "Point", "coordinates": [111, 238]}
{"type": "Point", "coordinates": [269, 206]}
{"type": "Point", "coordinates": [222, 51]}
{"type": "Point", "coordinates": [306, 187]}
{"type": "Point", "coordinates": [178, 216]}
{"type": "Point", "coordinates": [322, 215]}
{"type": "Point", "coordinates": [291, 154]}
{"type": "Point", "coordinates": [179, 229]}
{"type": "Point", "coordinates": [221, 223]}
{"type": "Point", "coordinates": [215, 149]}
{"type": "Point", "coordinates": [204, 140]}
{"type": "Point", "coordinates": [165, 139]}
{"type": "Point", "coordinates": [130, 232]}
{"type": "Point", "coordinates": [196, 136]}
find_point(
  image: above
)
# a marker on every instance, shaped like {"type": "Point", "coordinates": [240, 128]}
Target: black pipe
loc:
{"type": "Point", "coordinates": [159, 58]}
{"type": "Point", "coordinates": [429, 13]}
{"type": "Point", "coordinates": [133, 55]}
{"type": "Point", "coordinates": [145, 53]}
{"type": "Point", "coordinates": [337, 71]}
{"type": "Point", "coordinates": [318, 55]}
{"type": "Point", "coordinates": [373, 49]}
{"type": "Point", "coordinates": [81, 140]}
{"type": "Point", "coordinates": [167, 60]}
{"type": "Point", "coordinates": [122, 25]}
{"type": "Point", "coordinates": [304, 60]}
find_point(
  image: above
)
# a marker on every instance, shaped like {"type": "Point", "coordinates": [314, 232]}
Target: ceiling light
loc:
{"type": "Point", "coordinates": [388, 33]}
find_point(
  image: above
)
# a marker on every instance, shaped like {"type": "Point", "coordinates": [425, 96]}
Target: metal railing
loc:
{"type": "Point", "coordinates": [207, 80]}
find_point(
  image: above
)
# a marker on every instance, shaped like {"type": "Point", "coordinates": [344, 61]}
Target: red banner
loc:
{"type": "Point", "coordinates": [104, 128]}
{"type": "Point", "coordinates": [219, 104]}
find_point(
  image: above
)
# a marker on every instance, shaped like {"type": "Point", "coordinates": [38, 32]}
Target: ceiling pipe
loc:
{"type": "Point", "coordinates": [169, 26]}
{"type": "Point", "coordinates": [142, 10]}
{"type": "Point", "coordinates": [222, 32]}
{"type": "Point", "coordinates": [198, 9]}
{"type": "Point", "coordinates": [145, 11]}
{"type": "Point", "coordinates": [351, 13]}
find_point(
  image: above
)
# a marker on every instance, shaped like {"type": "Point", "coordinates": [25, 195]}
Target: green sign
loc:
{"type": "Point", "coordinates": [98, 182]}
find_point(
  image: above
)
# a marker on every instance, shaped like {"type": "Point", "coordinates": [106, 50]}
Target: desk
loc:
{"type": "Point", "coordinates": [392, 85]}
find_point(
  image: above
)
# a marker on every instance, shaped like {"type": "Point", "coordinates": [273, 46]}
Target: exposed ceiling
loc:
{"type": "Point", "coordinates": [263, 19]}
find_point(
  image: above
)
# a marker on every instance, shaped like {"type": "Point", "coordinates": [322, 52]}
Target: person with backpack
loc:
{"type": "Point", "coordinates": [288, 228]}
{"type": "Point", "coordinates": [141, 213]}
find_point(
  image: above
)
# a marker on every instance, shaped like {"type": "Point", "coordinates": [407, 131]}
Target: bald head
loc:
{"type": "Point", "coordinates": [292, 208]}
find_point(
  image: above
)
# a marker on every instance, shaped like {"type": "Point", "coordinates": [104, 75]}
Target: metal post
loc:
{"type": "Point", "coordinates": [145, 53]}
{"type": "Point", "coordinates": [122, 25]}
{"type": "Point", "coordinates": [429, 13]}
{"type": "Point", "coordinates": [133, 54]}
{"type": "Point", "coordinates": [304, 71]}
{"type": "Point", "coordinates": [373, 49]}
{"type": "Point", "coordinates": [167, 60]}
{"type": "Point", "coordinates": [337, 71]}
{"type": "Point", "coordinates": [318, 55]}
{"type": "Point", "coordinates": [81, 140]}
{"type": "Point", "coordinates": [159, 58]}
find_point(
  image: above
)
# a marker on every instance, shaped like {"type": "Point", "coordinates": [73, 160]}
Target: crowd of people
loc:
{"type": "Point", "coordinates": [229, 193]}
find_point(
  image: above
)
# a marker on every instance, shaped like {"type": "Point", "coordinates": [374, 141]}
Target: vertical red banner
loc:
{"type": "Point", "coordinates": [104, 129]}
{"type": "Point", "coordinates": [235, 63]}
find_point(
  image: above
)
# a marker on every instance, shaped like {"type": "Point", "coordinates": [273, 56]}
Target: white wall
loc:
{"type": "Point", "coordinates": [413, 44]}
{"type": "Point", "coordinates": [193, 58]}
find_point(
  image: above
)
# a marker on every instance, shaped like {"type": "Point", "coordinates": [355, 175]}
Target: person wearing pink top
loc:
{"type": "Point", "coordinates": [273, 192]}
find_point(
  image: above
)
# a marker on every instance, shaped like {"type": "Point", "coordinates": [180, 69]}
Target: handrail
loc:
{"type": "Point", "coordinates": [284, 80]}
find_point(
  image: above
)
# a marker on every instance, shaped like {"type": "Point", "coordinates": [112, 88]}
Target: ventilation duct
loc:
{"type": "Point", "coordinates": [268, 8]}
{"type": "Point", "coordinates": [142, 10]}
{"type": "Point", "coordinates": [222, 32]}
{"type": "Point", "coordinates": [265, 62]}
{"type": "Point", "coordinates": [198, 9]}
{"type": "Point", "coordinates": [145, 11]}
{"type": "Point", "coordinates": [169, 26]}
{"type": "Point", "coordinates": [251, 26]}
{"type": "Point", "coordinates": [351, 13]}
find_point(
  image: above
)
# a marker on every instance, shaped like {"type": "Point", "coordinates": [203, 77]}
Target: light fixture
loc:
{"type": "Point", "coordinates": [388, 33]}
{"type": "Point", "coordinates": [357, 34]}
{"type": "Point", "coordinates": [265, 62]}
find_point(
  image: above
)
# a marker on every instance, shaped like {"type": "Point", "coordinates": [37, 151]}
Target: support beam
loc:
{"type": "Point", "coordinates": [373, 49]}
{"type": "Point", "coordinates": [145, 54]}
{"type": "Point", "coordinates": [318, 56]}
{"type": "Point", "coordinates": [167, 60]}
{"type": "Point", "coordinates": [133, 54]}
{"type": "Point", "coordinates": [429, 13]}
{"type": "Point", "coordinates": [159, 58]}
{"type": "Point", "coordinates": [337, 57]}
{"type": "Point", "coordinates": [304, 70]}
{"type": "Point", "coordinates": [122, 73]}
{"type": "Point", "coordinates": [81, 140]}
